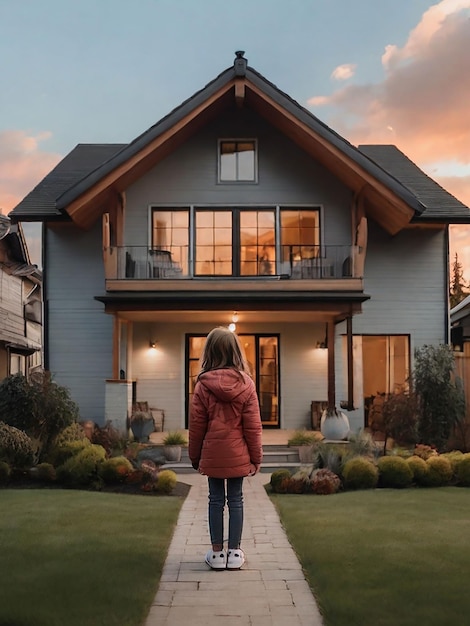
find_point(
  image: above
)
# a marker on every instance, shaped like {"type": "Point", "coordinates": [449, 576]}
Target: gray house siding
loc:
{"type": "Point", "coordinates": [80, 334]}
{"type": "Point", "coordinates": [286, 175]}
{"type": "Point", "coordinates": [406, 278]}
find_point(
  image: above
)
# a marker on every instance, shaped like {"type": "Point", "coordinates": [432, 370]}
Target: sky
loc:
{"type": "Point", "coordinates": [98, 71]}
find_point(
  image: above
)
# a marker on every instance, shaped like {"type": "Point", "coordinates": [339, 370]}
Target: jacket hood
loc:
{"type": "Point", "coordinates": [225, 384]}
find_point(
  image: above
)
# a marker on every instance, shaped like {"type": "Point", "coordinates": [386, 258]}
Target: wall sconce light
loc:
{"type": "Point", "coordinates": [323, 345]}
{"type": "Point", "coordinates": [153, 344]}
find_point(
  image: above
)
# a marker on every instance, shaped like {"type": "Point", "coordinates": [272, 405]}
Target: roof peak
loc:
{"type": "Point", "coordinates": [240, 63]}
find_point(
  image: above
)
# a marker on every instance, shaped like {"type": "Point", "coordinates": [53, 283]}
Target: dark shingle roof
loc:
{"type": "Point", "coordinates": [438, 203]}
{"type": "Point", "coordinates": [83, 159]}
{"type": "Point", "coordinates": [87, 164]}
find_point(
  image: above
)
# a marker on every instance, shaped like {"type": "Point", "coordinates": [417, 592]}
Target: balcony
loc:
{"type": "Point", "coordinates": [132, 263]}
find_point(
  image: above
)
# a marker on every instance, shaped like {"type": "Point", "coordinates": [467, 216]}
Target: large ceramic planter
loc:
{"type": "Point", "coordinates": [305, 454]}
{"type": "Point", "coordinates": [172, 453]}
{"type": "Point", "coordinates": [334, 425]}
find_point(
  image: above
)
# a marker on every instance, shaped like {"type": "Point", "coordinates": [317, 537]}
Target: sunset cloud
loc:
{"type": "Point", "coordinates": [22, 165]}
{"type": "Point", "coordinates": [343, 72]}
{"type": "Point", "coordinates": [422, 103]}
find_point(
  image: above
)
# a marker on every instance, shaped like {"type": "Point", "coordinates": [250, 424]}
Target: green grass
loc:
{"type": "Point", "coordinates": [80, 558]}
{"type": "Point", "coordinates": [384, 557]}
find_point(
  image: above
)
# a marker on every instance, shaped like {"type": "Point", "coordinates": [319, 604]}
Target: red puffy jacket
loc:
{"type": "Point", "coordinates": [225, 425]}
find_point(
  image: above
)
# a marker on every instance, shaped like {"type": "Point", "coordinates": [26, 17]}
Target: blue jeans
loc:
{"type": "Point", "coordinates": [235, 510]}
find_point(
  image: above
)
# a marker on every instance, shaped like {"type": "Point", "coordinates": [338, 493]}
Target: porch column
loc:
{"type": "Point", "coordinates": [330, 334]}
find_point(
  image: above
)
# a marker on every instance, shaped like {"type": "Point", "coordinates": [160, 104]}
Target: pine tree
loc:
{"type": "Point", "coordinates": [458, 287]}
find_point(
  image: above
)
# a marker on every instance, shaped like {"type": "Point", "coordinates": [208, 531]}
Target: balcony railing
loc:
{"type": "Point", "coordinates": [293, 262]}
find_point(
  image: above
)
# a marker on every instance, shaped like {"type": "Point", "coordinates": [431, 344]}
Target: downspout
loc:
{"type": "Point", "coordinates": [447, 284]}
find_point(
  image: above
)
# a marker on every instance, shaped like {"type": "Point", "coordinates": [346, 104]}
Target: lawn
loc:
{"type": "Point", "coordinates": [81, 558]}
{"type": "Point", "coordinates": [384, 557]}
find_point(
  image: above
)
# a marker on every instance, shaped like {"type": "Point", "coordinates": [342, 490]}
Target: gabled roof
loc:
{"type": "Point", "coordinates": [437, 202]}
{"type": "Point", "coordinates": [79, 187]}
{"type": "Point", "coordinates": [41, 202]}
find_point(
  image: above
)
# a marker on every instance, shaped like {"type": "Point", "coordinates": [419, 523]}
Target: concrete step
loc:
{"type": "Point", "coordinates": [274, 457]}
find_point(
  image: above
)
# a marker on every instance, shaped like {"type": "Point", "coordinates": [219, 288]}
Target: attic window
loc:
{"type": "Point", "coordinates": [237, 160]}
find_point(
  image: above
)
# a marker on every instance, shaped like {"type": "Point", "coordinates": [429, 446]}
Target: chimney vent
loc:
{"type": "Point", "coordinates": [240, 63]}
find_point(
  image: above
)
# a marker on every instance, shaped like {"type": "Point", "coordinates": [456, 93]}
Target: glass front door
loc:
{"type": "Point", "coordinates": [262, 354]}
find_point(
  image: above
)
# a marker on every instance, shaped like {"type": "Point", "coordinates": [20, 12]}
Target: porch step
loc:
{"type": "Point", "coordinates": [274, 457]}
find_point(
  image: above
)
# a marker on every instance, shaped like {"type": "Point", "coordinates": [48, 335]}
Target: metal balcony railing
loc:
{"type": "Point", "coordinates": [292, 262]}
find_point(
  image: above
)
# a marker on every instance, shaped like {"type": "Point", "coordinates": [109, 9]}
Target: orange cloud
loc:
{"type": "Point", "coordinates": [422, 104]}
{"type": "Point", "coordinates": [22, 165]}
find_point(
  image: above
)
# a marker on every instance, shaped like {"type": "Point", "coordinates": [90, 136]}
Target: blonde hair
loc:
{"type": "Point", "coordinates": [223, 350]}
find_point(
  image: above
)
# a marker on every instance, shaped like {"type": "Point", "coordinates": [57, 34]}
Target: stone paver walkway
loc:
{"type": "Point", "coordinates": [270, 589]}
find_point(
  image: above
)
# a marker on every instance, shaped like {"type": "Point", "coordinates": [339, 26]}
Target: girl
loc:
{"type": "Point", "coordinates": [225, 439]}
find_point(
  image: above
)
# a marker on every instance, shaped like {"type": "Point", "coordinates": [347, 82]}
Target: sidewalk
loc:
{"type": "Point", "coordinates": [270, 589]}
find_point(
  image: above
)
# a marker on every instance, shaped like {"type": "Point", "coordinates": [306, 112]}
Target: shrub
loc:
{"type": "Point", "coordinates": [60, 449]}
{"type": "Point", "coordinates": [440, 472]}
{"type": "Point", "coordinates": [463, 471]}
{"type": "Point", "coordinates": [394, 472]}
{"type": "Point", "coordinates": [454, 456]}
{"type": "Point", "coordinates": [82, 468]}
{"type": "Point", "coordinates": [302, 438]}
{"type": "Point", "coordinates": [277, 477]}
{"type": "Point", "coordinates": [44, 472]}
{"type": "Point", "coordinates": [362, 444]}
{"type": "Point", "coordinates": [175, 438]}
{"type": "Point", "coordinates": [440, 395]}
{"type": "Point", "coordinates": [299, 482]}
{"type": "Point", "coordinates": [115, 470]}
{"type": "Point", "coordinates": [419, 468]}
{"type": "Point", "coordinates": [360, 473]}
{"type": "Point", "coordinates": [39, 407]}
{"type": "Point", "coordinates": [424, 451]}
{"type": "Point", "coordinates": [16, 448]}
{"type": "Point", "coordinates": [110, 438]}
{"type": "Point", "coordinates": [62, 453]}
{"type": "Point", "coordinates": [331, 457]}
{"type": "Point", "coordinates": [400, 418]}
{"type": "Point", "coordinates": [166, 481]}
{"type": "Point", "coordinates": [5, 471]}
{"type": "Point", "coordinates": [325, 482]}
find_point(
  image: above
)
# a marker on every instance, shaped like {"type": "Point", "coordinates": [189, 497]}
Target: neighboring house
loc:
{"type": "Point", "coordinates": [20, 305]}
{"type": "Point", "coordinates": [240, 206]}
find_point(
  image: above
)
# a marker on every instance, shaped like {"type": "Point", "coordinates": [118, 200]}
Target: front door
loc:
{"type": "Point", "coordinates": [262, 354]}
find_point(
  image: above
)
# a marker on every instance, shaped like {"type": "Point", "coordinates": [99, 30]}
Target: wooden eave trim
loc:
{"type": "Point", "coordinates": [112, 177]}
{"type": "Point", "coordinates": [339, 158]}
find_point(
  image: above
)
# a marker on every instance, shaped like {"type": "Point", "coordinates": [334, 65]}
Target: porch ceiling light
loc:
{"type": "Point", "coordinates": [232, 327]}
{"type": "Point", "coordinates": [153, 344]}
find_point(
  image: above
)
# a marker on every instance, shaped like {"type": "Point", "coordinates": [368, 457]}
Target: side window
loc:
{"type": "Point", "coordinates": [237, 160]}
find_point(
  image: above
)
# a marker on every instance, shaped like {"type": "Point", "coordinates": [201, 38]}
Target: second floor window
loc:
{"type": "Point", "coordinates": [241, 241]}
{"type": "Point", "coordinates": [237, 161]}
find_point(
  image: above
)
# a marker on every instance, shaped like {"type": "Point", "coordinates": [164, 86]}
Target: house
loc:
{"type": "Point", "coordinates": [240, 207]}
{"type": "Point", "coordinates": [20, 304]}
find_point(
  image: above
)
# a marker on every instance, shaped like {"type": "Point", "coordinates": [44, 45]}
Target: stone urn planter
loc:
{"type": "Point", "coordinates": [172, 445]}
{"type": "Point", "coordinates": [142, 425]}
{"type": "Point", "coordinates": [304, 441]}
{"type": "Point", "coordinates": [334, 425]}
{"type": "Point", "coordinates": [172, 453]}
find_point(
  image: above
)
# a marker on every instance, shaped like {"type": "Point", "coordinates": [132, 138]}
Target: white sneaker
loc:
{"type": "Point", "coordinates": [235, 559]}
{"type": "Point", "coordinates": [216, 560]}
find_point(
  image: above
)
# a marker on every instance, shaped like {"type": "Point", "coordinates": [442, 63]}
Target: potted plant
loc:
{"type": "Point", "coordinates": [172, 444]}
{"type": "Point", "coordinates": [304, 442]}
